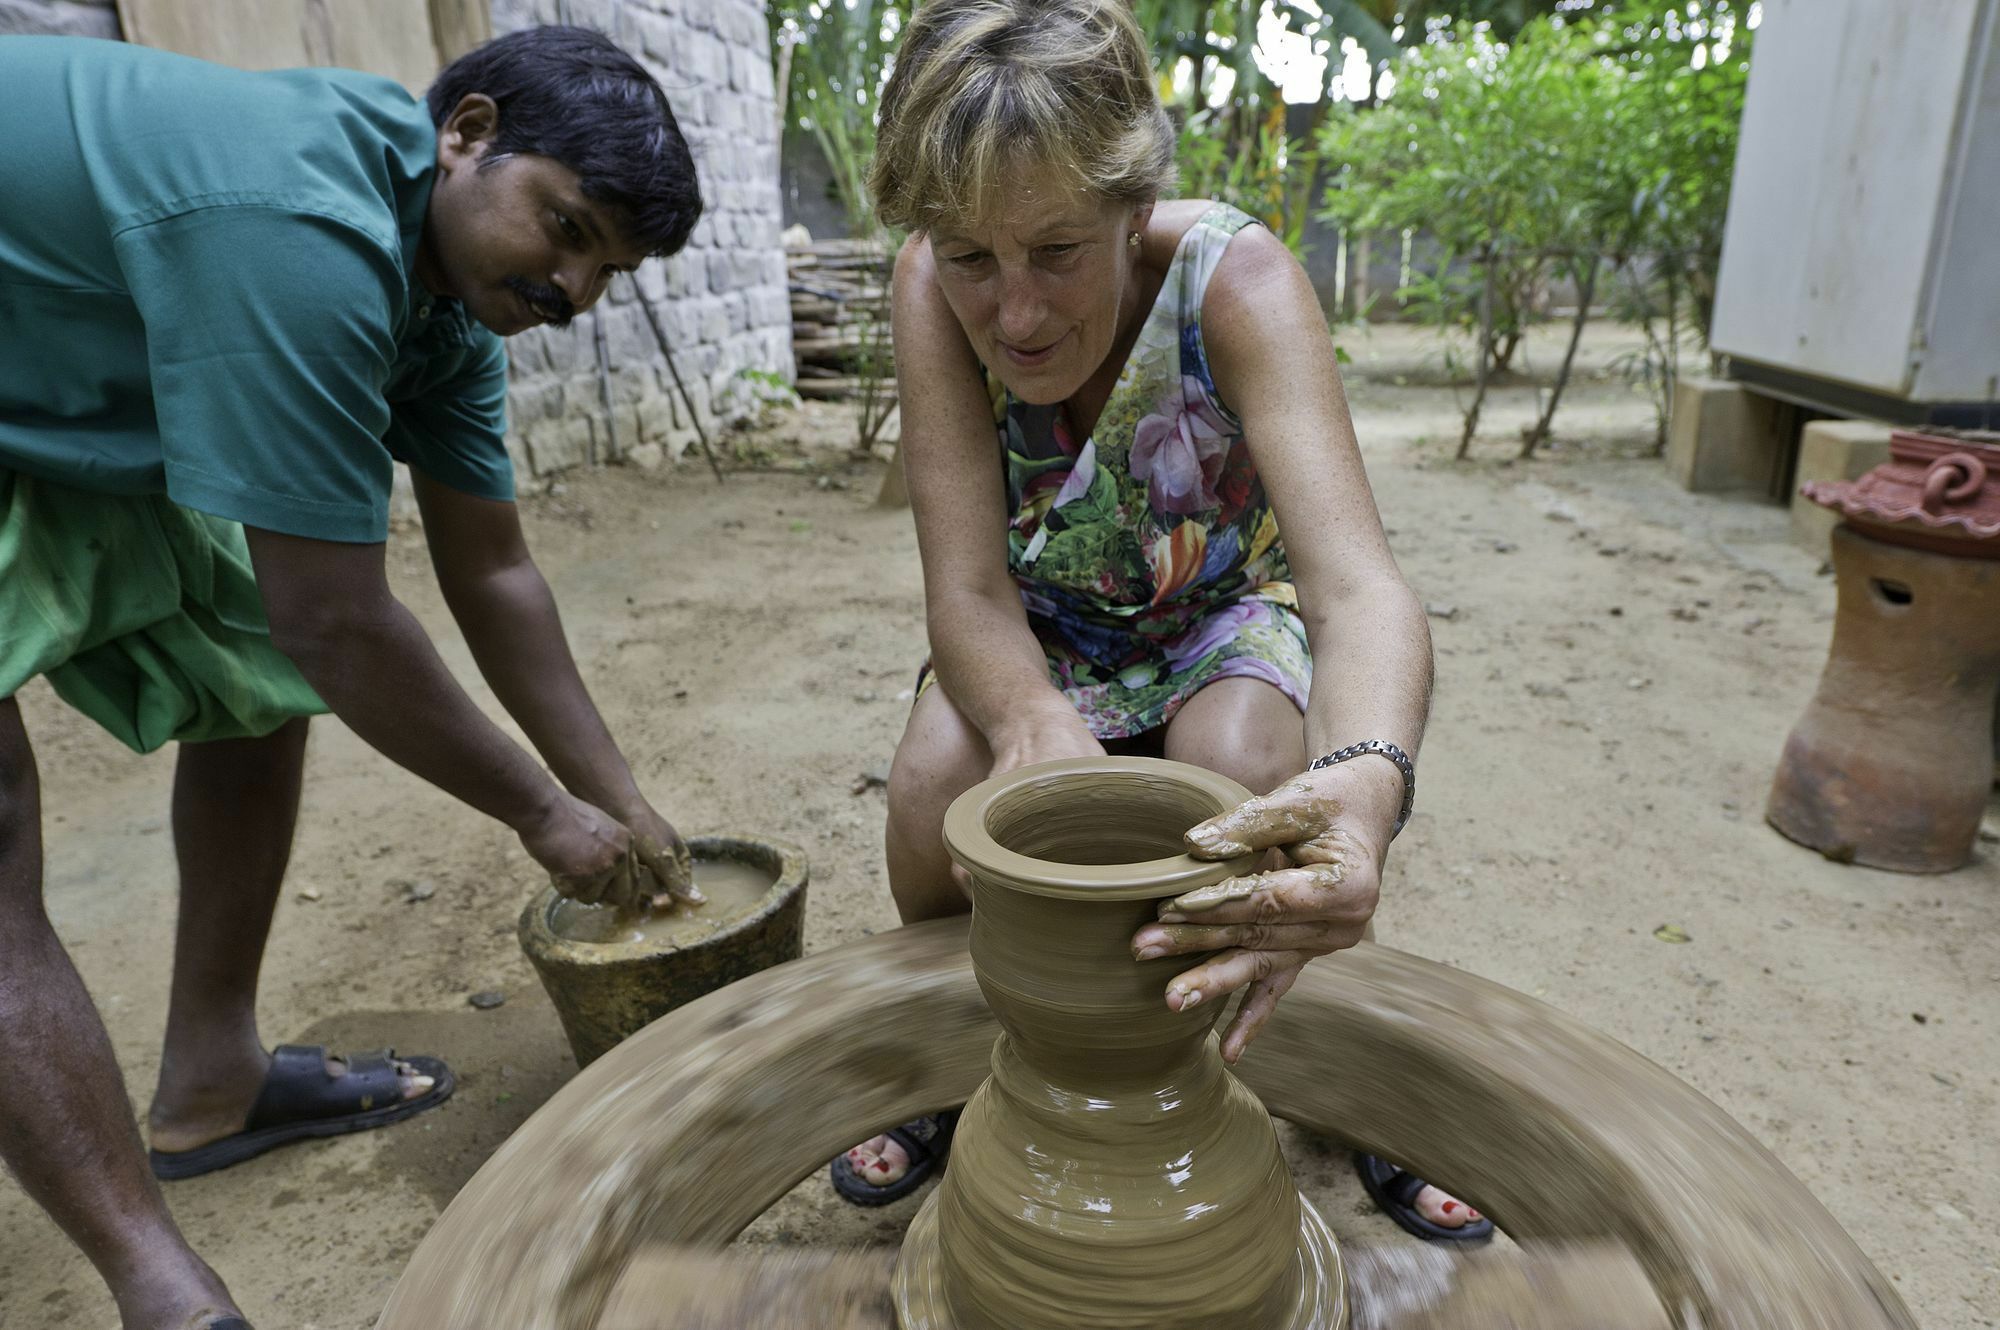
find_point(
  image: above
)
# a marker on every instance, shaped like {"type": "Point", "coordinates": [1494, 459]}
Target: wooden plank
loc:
{"type": "Point", "coordinates": [387, 37]}
{"type": "Point", "coordinates": [249, 34]}
{"type": "Point", "coordinates": [459, 25]}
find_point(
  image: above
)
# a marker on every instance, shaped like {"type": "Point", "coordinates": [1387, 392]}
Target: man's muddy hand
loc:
{"type": "Point", "coordinates": [662, 867]}
{"type": "Point", "coordinates": [588, 854]}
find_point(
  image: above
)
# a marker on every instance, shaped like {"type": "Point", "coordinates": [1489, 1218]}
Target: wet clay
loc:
{"type": "Point", "coordinates": [609, 974]}
{"type": "Point", "coordinates": [1111, 1173]}
{"type": "Point", "coordinates": [732, 888]}
{"type": "Point", "coordinates": [696, 1125]}
{"type": "Point", "coordinates": [1892, 762]}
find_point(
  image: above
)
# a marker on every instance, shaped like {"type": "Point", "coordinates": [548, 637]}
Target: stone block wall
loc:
{"type": "Point", "coordinates": [63, 18]}
{"type": "Point", "coordinates": [722, 302]}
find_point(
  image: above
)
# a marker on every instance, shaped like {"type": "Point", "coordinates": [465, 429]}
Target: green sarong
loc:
{"type": "Point", "coordinates": [144, 615]}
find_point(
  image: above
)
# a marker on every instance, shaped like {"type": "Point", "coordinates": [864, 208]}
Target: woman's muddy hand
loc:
{"type": "Point", "coordinates": [1324, 834]}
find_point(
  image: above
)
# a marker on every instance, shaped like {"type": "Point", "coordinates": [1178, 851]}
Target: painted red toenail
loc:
{"type": "Point", "coordinates": [1450, 1207]}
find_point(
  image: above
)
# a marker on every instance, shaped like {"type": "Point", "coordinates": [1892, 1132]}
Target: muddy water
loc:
{"type": "Point", "coordinates": [733, 890]}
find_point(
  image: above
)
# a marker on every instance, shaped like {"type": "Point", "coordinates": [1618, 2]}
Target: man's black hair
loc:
{"type": "Point", "coordinates": [570, 94]}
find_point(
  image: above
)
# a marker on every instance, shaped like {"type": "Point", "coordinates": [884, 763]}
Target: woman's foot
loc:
{"type": "Point", "coordinates": [879, 1161]}
{"type": "Point", "coordinates": [1443, 1209]}
{"type": "Point", "coordinates": [896, 1163]}
{"type": "Point", "coordinates": [1419, 1208]}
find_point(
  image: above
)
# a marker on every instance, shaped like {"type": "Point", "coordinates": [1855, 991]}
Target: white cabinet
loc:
{"type": "Point", "coordinates": [1861, 259]}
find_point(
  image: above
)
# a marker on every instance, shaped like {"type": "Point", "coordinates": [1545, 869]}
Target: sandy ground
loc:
{"type": "Point", "coordinates": [1615, 678]}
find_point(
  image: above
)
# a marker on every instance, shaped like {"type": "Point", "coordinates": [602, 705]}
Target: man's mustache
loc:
{"type": "Point", "coordinates": [546, 300]}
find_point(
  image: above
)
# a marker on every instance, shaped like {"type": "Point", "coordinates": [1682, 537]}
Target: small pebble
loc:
{"type": "Point", "coordinates": [309, 893]}
{"type": "Point", "coordinates": [487, 999]}
{"type": "Point", "coordinates": [420, 891]}
{"type": "Point", "coordinates": [1440, 610]}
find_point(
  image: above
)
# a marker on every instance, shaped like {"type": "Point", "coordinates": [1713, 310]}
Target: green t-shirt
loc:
{"type": "Point", "coordinates": [207, 291]}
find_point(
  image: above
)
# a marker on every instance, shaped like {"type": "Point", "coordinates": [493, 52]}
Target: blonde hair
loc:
{"type": "Point", "coordinates": [983, 87]}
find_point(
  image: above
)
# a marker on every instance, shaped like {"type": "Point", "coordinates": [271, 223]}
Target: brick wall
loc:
{"type": "Point", "coordinates": [722, 302]}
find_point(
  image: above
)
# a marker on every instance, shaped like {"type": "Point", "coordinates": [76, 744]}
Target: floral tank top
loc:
{"type": "Point", "coordinates": [1147, 555]}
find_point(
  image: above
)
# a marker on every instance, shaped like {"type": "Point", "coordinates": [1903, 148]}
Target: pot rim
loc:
{"type": "Point", "coordinates": [973, 847]}
{"type": "Point", "coordinates": [538, 939]}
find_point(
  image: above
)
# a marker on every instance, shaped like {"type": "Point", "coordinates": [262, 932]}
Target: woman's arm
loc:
{"type": "Point", "coordinates": [1273, 361]}
{"type": "Point", "coordinates": [986, 658]}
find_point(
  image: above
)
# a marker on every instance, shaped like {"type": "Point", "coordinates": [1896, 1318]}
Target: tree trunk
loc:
{"type": "Point", "coordinates": [1485, 356]}
{"type": "Point", "coordinates": [1363, 256]}
{"type": "Point", "coordinates": [1586, 287]}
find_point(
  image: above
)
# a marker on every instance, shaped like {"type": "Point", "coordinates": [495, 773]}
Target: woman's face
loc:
{"type": "Point", "coordinates": [1040, 291]}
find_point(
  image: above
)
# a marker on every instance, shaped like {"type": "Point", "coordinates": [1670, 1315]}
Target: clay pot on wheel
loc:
{"type": "Point", "coordinates": [1112, 1164]}
{"type": "Point", "coordinates": [606, 986]}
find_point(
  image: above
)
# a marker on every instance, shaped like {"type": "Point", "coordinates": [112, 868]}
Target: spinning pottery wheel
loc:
{"type": "Point", "coordinates": [685, 1133]}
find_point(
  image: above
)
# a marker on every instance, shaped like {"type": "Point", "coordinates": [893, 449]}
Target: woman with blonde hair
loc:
{"type": "Point", "coordinates": [1141, 511]}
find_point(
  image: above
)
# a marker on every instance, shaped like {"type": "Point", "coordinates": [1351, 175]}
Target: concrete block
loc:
{"type": "Point", "coordinates": [1832, 450]}
{"type": "Point", "coordinates": [1721, 436]}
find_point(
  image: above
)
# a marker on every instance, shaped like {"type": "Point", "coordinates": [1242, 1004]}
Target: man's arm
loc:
{"type": "Point", "coordinates": [332, 613]}
{"type": "Point", "coordinates": [508, 615]}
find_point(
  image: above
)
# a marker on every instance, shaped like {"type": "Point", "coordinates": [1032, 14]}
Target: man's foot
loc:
{"type": "Point", "coordinates": [168, 1285]}
{"type": "Point", "coordinates": [215, 1111]}
{"type": "Point", "coordinates": [896, 1163]}
{"type": "Point", "coordinates": [305, 1093]}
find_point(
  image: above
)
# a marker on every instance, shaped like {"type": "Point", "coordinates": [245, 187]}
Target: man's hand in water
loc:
{"type": "Point", "coordinates": [586, 851]}
{"type": "Point", "coordinates": [1325, 833]}
{"type": "Point", "coordinates": [662, 869]}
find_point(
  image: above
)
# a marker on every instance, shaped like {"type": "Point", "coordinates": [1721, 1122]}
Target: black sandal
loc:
{"type": "Point", "coordinates": [1396, 1192]}
{"type": "Point", "coordinates": [927, 1140]}
{"type": "Point", "coordinates": [300, 1101]}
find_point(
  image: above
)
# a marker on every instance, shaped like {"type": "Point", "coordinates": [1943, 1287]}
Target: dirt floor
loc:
{"type": "Point", "coordinates": [1618, 664]}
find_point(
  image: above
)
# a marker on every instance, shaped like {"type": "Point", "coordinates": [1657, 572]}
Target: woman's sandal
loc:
{"type": "Point", "coordinates": [927, 1140]}
{"type": "Point", "coordinates": [300, 1101]}
{"type": "Point", "coordinates": [1396, 1192]}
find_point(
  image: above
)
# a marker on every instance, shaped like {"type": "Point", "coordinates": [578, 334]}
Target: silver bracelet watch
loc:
{"type": "Point", "coordinates": [1394, 754]}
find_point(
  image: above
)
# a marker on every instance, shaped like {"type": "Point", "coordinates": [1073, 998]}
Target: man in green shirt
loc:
{"type": "Point", "coordinates": [229, 303]}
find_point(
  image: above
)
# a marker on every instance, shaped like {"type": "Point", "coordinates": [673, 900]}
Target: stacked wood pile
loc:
{"type": "Point", "coordinates": [840, 309]}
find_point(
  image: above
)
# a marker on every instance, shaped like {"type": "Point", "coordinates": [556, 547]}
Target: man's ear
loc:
{"type": "Point", "coordinates": [468, 132]}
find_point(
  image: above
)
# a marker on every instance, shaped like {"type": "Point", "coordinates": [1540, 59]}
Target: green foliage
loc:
{"type": "Point", "coordinates": [1270, 177]}
{"type": "Point", "coordinates": [1603, 141]}
{"type": "Point", "coordinates": [834, 56]}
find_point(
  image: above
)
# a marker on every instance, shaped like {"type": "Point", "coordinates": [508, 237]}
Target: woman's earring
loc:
{"type": "Point", "coordinates": [1132, 240]}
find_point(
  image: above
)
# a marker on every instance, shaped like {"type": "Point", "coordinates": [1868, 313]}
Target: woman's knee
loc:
{"type": "Point", "coordinates": [1242, 728]}
{"type": "Point", "coordinates": [941, 755]}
